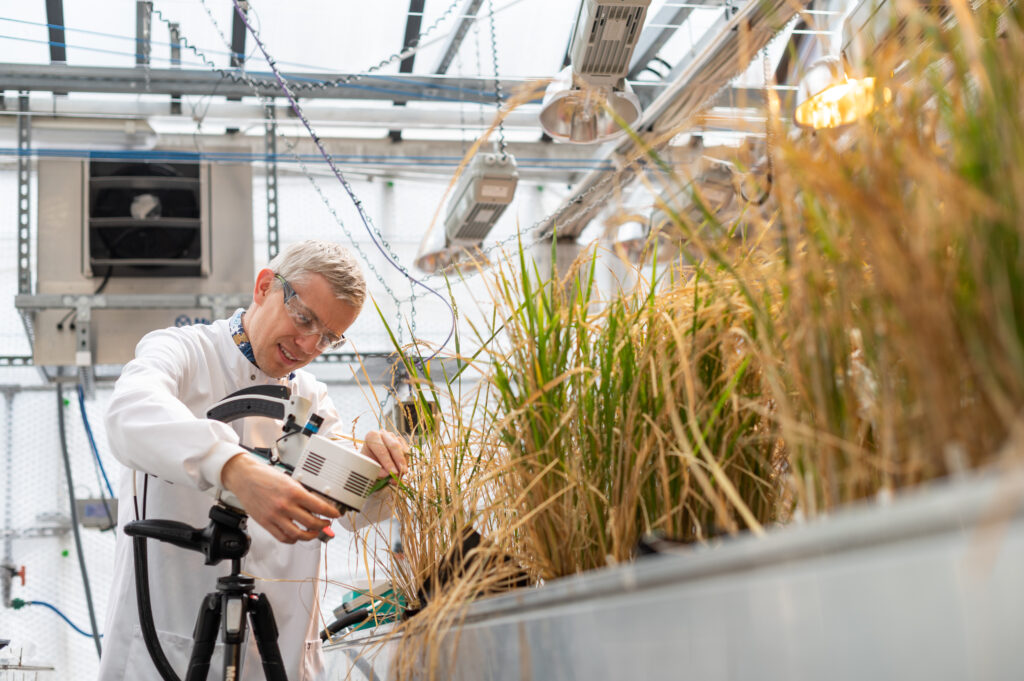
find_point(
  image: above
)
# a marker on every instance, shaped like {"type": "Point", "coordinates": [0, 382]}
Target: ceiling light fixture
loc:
{"type": "Point", "coordinates": [828, 98]}
{"type": "Point", "coordinates": [579, 102]}
{"type": "Point", "coordinates": [483, 192]}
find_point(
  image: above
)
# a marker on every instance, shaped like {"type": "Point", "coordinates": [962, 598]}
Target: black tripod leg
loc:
{"type": "Point", "coordinates": [264, 628]}
{"type": "Point", "coordinates": [204, 637]}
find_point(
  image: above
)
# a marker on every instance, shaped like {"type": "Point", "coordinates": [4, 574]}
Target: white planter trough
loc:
{"type": "Point", "coordinates": [929, 587]}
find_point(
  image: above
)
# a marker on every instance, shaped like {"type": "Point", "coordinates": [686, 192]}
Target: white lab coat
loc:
{"type": "Point", "coordinates": [156, 424]}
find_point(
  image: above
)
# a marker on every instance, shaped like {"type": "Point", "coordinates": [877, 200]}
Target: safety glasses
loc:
{"type": "Point", "coordinates": [306, 322]}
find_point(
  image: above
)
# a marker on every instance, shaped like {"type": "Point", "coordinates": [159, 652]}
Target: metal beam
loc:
{"type": "Point", "coordinates": [55, 19]}
{"type": "Point", "coordinates": [238, 33]}
{"type": "Point", "coordinates": [143, 31]}
{"type": "Point", "coordinates": [360, 157]}
{"type": "Point", "coordinates": [131, 301]}
{"type": "Point", "coordinates": [99, 111]}
{"type": "Point", "coordinates": [395, 87]}
{"type": "Point", "coordinates": [412, 31]}
{"type": "Point", "coordinates": [455, 38]}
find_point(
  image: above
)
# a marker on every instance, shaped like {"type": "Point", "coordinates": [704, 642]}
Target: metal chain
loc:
{"type": "Point", "coordinates": [409, 50]}
{"type": "Point", "coordinates": [359, 249]}
{"type": "Point", "coordinates": [479, 70]}
{"type": "Point", "coordinates": [769, 124]}
{"type": "Point", "coordinates": [498, 95]}
{"type": "Point", "coordinates": [255, 85]}
{"type": "Point", "coordinates": [266, 101]}
{"type": "Point", "coordinates": [356, 201]}
{"type": "Point", "coordinates": [234, 76]}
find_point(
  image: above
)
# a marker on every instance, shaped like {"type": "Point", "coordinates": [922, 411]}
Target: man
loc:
{"type": "Point", "coordinates": [303, 303]}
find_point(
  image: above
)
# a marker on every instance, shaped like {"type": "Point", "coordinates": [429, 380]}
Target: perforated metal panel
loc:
{"type": "Point", "coordinates": [605, 38]}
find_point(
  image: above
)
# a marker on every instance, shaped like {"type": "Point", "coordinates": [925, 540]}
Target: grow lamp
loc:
{"type": "Point", "coordinates": [582, 114]}
{"type": "Point", "coordinates": [579, 102]}
{"type": "Point", "coordinates": [827, 98]}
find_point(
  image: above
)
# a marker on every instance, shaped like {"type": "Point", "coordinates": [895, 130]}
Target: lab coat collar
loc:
{"type": "Point", "coordinates": [243, 363]}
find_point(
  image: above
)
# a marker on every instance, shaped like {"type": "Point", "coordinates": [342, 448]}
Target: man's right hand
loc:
{"type": "Point", "coordinates": [275, 501]}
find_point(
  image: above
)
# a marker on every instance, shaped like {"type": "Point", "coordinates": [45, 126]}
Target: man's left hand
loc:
{"type": "Point", "coordinates": [388, 450]}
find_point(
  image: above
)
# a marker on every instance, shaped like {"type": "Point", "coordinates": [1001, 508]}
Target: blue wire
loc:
{"type": "Point", "coordinates": [92, 440]}
{"type": "Point", "coordinates": [65, 45]}
{"type": "Point", "coordinates": [62, 616]}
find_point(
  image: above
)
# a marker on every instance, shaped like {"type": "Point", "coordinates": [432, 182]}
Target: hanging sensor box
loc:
{"type": "Point", "coordinates": [481, 195]}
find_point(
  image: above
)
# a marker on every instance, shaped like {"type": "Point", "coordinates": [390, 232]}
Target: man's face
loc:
{"type": "Point", "coordinates": [279, 347]}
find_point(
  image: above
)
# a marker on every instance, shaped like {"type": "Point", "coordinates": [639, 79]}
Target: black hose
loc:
{"type": "Point", "coordinates": [149, 635]}
{"type": "Point", "coordinates": [341, 623]}
{"type": "Point", "coordinates": [74, 519]}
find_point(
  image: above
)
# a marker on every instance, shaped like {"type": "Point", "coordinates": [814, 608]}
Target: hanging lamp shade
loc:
{"type": "Point", "coordinates": [576, 113]}
{"type": "Point", "coordinates": [438, 255]}
{"type": "Point", "coordinates": [827, 98]}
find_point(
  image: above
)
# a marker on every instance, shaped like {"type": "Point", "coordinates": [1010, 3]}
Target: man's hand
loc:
{"type": "Point", "coordinates": [388, 450]}
{"type": "Point", "coordinates": [275, 501]}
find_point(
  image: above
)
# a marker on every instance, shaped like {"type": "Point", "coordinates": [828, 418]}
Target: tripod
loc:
{"type": "Point", "coordinates": [230, 608]}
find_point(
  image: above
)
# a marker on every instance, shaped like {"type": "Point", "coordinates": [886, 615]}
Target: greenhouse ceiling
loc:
{"type": "Point", "coordinates": [399, 78]}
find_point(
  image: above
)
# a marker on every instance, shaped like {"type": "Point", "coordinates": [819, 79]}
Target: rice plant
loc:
{"type": "Point", "coordinates": [903, 266]}
{"type": "Point", "coordinates": [860, 333]}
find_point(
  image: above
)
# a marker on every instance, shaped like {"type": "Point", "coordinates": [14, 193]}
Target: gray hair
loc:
{"type": "Point", "coordinates": [328, 259]}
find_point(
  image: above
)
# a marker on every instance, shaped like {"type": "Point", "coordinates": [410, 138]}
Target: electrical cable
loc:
{"type": "Point", "coordinates": [92, 440]}
{"type": "Point", "coordinates": [344, 183]}
{"type": "Point", "coordinates": [73, 313]}
{"type": "Point", "coordinates": [149, 634]}
{"type": "Point", "coordinates": [74, 518]}
{"type": "Point", "coordinates": [344, 622]}
{"type": "Point", "coordinates": [97, 462]}
{"type": "Point", "coordinates": [18, 603]}
{"type": "Point", "coordinates": [60, 324]}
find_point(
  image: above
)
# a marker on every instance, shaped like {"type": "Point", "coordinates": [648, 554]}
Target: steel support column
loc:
{"type": "Point", "coordinates": [270, 144]}
{"type": "Point", "coordinates": [24, 200]}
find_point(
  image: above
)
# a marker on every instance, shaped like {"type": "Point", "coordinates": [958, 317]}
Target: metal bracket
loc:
{"type": "Point", "coordinates": [83, 344]}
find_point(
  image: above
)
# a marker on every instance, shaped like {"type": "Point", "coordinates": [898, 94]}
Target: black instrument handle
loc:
{"type": "Point", "coordinates": [170, 531]}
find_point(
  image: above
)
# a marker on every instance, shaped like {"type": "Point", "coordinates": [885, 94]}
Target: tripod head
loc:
{"type": "Point", "coordinates": [224, 537]}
